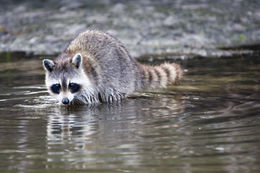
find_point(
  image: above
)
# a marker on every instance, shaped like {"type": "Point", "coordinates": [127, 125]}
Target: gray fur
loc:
{"type": "Point", "coordinates": [117, 69]}
{"type": "Point", "coordinates": [107, 64]}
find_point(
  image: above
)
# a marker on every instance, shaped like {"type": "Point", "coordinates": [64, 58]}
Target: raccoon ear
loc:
{"type": "Point", "coordinates": [77, 60]}
{"type": "Point", "coordinates": [48, 65]}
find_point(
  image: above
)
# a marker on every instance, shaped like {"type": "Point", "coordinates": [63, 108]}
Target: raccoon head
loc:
{"type": "Point", "coordinates": [66, 79]}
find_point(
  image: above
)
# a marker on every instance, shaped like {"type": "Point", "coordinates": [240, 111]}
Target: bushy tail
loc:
{"type": "Point", "coordinates": [161, 75]}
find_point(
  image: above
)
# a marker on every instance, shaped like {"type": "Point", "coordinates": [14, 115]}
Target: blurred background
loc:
{"type": "Point", "coordinates": [202, 27]}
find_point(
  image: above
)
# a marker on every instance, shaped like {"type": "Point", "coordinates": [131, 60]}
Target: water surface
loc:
{"type": "Point", "coordinates": [209, 123]}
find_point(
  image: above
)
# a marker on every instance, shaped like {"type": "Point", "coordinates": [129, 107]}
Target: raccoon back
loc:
{"type": "Point", "coordinates": [107, 61]}
{"type": "Point", "coordinates": [110, 65]}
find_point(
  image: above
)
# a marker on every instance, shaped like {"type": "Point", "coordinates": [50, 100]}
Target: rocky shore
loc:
{"type": "Point", "coordinates": [181, 28]}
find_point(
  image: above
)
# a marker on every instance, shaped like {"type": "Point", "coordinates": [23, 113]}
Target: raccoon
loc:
{"type": "Point", "coordinates": [97, 68]}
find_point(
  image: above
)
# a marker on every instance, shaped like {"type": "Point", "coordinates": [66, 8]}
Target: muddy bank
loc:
{"type": "Point", "coordinates": [146, 27]}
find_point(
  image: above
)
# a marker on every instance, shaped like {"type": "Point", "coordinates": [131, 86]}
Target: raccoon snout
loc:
{"type": "Point", "coordinates": [65, 101]}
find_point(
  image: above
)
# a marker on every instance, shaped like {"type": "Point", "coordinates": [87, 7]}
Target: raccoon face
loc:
{"type": "Point", "coordinates": [66, 79]}
{"type": "Point", "coordinates": [65, 92]}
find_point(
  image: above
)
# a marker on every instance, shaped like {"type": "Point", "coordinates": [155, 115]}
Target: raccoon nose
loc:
{"type": "Point", "coordinates": [65, 101]}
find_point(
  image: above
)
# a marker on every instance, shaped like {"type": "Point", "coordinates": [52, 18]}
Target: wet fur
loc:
{"type": "Point", "coordinates": [111, 73]}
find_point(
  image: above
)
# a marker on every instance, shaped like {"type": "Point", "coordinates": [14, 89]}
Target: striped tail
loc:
{"type": "Point", "coordinates": [160, 76]}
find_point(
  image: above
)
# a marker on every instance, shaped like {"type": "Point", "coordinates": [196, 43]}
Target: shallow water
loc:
{"type": "Point", "coordinates": [209, 123]}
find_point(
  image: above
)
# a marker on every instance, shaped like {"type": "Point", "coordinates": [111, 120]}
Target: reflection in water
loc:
{"type": "Point", "coordinates": [109, 132]}
{"type": "Point", "coordinates": [210, 123]}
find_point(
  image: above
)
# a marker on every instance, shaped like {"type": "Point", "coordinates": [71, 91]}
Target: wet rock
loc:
{"type": "Point", "coordinates": [118, 8]}
{"type": "Point", "coordinates": [145, 27]}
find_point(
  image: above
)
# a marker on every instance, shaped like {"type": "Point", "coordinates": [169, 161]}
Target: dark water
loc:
{"type": "Point", "coordinates": [210, 123]}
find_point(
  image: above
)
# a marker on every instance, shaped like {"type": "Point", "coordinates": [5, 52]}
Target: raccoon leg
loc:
{"type": "Point", "coordinates": [111, 95]}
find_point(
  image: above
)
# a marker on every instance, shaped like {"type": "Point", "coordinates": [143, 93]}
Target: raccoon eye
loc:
{"type": "Point", "coordinates": [74, 87]}
{"type": "Point", "coordinates": [55, 88]}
